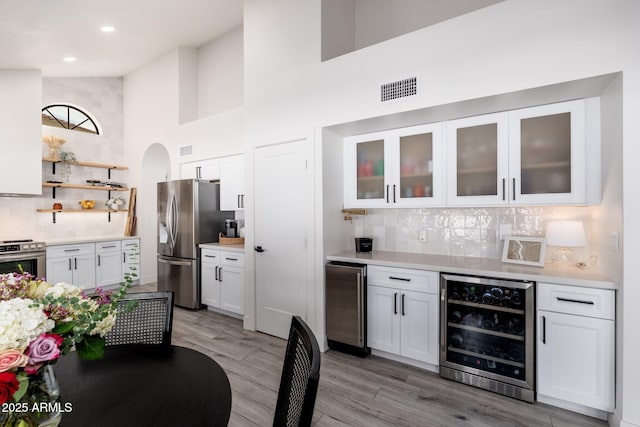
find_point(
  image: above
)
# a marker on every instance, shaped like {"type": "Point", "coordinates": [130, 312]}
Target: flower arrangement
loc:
{"type": "Point", "coordinates": [115, 203]}
{"type": "Point", "coordinates": [39, 322]}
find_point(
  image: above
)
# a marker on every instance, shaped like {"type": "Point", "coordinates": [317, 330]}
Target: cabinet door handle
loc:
{"type": "Point", "coordinates": [544, 330]}
{"type": "Point", "coordinates": [514, 188]}
{"type": "Point", "coordinates": [231, 259]}
{"type": "Point", "coordinates": [108, 246]}
{"type": "Point", "coordinates": [387, 193]}
{"type": "Point", "coordinates": [124, 257]}
{"type": "Point", "coordinates": [394, 193]}
{"type": "Point", "coordinates": [220, 274]}
{"type": "Point", "coordinates": [198, 171]}
{"type": "Point", "coordinates": [395, 303]}
{"type": "Point", "coordinates": [399, 278]}
{"type": "Point", "coordinates": [238, 200]}
{"type": "Point", "coordinates": [75, 263]}
{"type": "Point", "coordinates": [72, 250]}
{"type": "Point", "coordinates": [577, 301]}
{"type": "Point", "coordinates": [242, 200]}
{"type": "Point", "coordinates": [70, 266]}
{"type": "Point", "coordinates": [402, 303]}
{"type": "Point", "coordinates": [209, 256]}
{"type": "Point", "coordinates": [504, 186]}
{"type": "Point", "coordinates": [98, 260]}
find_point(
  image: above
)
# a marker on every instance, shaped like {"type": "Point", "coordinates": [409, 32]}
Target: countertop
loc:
{"type": "Point", "coordinates": [551, 273]}
{"type": "Point", "coordinates": [218, 246]}
{"type": "Point", "coordinates": [75, 240]}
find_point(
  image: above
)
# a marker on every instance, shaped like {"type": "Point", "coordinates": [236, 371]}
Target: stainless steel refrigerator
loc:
{"type": "Point", "coordinates": [188, 214]}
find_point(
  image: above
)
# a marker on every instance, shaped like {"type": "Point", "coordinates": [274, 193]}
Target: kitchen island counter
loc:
{"type": "Point", "coordinates": [489, 267]}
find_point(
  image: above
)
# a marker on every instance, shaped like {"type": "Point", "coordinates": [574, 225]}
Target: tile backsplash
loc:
{"type": "Point", "coordinates": [461, 231]}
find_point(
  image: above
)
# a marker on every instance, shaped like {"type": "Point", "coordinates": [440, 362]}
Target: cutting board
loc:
{"type": "Point", "coordinates": [130, 227]}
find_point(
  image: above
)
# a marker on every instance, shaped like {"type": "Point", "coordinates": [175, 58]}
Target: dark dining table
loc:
{"type": "Point", "coordinates": [143, 386]}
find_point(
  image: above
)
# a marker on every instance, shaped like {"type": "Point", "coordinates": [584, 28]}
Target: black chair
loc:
{"type": "Point", "coordinates": [149, 322]}
{"type": "Point", "coordinates": [300, 376]}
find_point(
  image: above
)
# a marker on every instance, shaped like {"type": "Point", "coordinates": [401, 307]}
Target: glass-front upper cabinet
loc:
{"type": "Point", "coordinates": [396, 168]}
{"type": "Point", "coordinates": [477, 160]}
{"type": "Point", "coordinates": [531, 156]}
{"type": "Point", "coordinates": [547, 154]}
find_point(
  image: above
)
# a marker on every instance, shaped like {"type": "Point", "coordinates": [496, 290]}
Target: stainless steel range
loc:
{"type": "Point", "coordinates": [487, 334]}
{"type": "Point", "coordinates": [25, 254]}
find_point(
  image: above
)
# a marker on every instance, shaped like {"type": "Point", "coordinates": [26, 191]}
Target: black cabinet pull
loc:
{"type": "Point", "coordinates": [544, 330]}
{"type": "Point", "coordinates": [75, 263]}
{"type": "Point", "coordinates": [217, 272]}
{"type": "Point", "coordinates": [514, 188]}
{"type": "Point", "coordinates": [394, 193]}
{"type": "Point", "coordinates": [220, 274]}
{"type": "Point", "coordinates": [577, 301]}
{"type": "Point", "coordinates": [504, 196]}
{"type": "Point", "coordinates": [70, 267]}
{"type": "Point", "coordinates": [231, 259]}
{"type": "Point", "coordinates": [242, 201]}
{"type": "Point", "coordinates": [395, 303]}
{"type": "Point", "coordinates": [98, 260]}
{"type": "Point", "coordinates": [403, 304]}
{"type": "Point", "coordinates": [399, 278]}
{"type": "Point", "coordinates": [238, 200]}
{"type": "Point", "coordinates": [387, 193]}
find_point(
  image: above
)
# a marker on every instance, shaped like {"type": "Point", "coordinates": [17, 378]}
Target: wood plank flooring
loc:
{"type": "Point", "coordinates": [353, 391]}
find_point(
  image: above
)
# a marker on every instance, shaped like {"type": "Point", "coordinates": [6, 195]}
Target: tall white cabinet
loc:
{"type": "Point", "coordinates": [576, 347]}
{"type": "Point", "coordinates": [232, 183]}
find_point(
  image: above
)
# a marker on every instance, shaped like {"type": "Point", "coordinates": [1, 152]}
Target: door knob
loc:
{"type": "Point", "coordinates": [259, 249]}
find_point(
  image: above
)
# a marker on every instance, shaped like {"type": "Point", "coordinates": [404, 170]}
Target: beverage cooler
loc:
{"type": "Point", "coordinates": [487, 334]}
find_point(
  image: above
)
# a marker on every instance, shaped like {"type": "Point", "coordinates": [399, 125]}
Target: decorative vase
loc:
{"type": "Point", "coordinates": [40, 406]}
{"type": "Point", "coordinates": [54, 143]}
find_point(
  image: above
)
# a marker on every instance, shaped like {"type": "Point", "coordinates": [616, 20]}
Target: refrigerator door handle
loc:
{"type": "Point", "coordinates": [173, 219]}
{"type": "Point", "coordinates": [166, 261]}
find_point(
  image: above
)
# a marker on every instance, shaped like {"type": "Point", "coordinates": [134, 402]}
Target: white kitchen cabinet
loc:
{"type": "Point", "coordinates": [397, 168]}
{"type": "Point", "coordinates": [201, 169]}
{"type": "Point", "coordinates": [402, 316]}
{"type": "Point", "coordinates": [131, 259]}
{"type": "Point", "coordinates": [530, 156]}
{"type": "Point", "coordinates": [576, 346]}
{"type": "Point", "coordinates": [108, 263]}
{"type": "Point", "coordinates": [222, 280]}
{"type": "Point", "coordinates": [74, 264]}
{"type": "Point", "coordinates": [232, 183]}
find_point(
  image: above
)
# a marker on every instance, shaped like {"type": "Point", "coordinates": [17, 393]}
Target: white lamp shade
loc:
{"type": "Point", "coordinates": [567, 234]}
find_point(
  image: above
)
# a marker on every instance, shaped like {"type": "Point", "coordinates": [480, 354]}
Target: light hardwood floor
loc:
{"type": "Point", "coordinates": [353, 391]}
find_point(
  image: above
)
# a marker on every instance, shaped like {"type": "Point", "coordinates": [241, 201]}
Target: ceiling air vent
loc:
{"type": "Point", "coordinates": [399, 89]}
{"type": "Point", "coordinates": [186, 150]}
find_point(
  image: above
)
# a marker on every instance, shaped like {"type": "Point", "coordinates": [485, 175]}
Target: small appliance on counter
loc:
{"type": "Point", "coordinates": [364, 244]}
{"type": "Point", "coordinates": [231, 228]}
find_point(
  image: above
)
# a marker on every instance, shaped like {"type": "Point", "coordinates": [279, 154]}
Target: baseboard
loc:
{"type": "Point", "coordinates": [406, 360]}
{"type": "Point", "coordinates": [570, 406]}
{"type": "Point", "coordinates": [225, 312]}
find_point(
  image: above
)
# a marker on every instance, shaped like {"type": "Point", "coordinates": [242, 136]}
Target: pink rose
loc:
{"type": "Point", "coordinates": [12, 359]}
{"type": "Point", "coordinates": [44, 348]}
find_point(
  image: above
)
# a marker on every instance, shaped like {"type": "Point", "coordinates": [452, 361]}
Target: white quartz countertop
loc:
{"type": "Point", "coordinates": [73, 240]}
{"type": "Point", "coordinates": [551, 273]}
{"type": "Point", "coordinates": [218, 246]}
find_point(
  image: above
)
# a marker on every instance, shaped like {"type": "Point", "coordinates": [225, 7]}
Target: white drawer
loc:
{"type": "Point", "coordinates": [403, 278]}
{"type": "Point", "coordinates": [599, 303]}
{"type": "Point", "coordinates": [109, 246]}
{"type": "Point", "coordinates": [130, 244]}
{"type": "Point", "coordinates": [232, 259]}
{"type": "Point", "coordinates": [70, 250]}
{"type": "Point", "coordinates": [209, 256]}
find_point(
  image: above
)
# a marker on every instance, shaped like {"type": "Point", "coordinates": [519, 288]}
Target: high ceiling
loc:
{"type": "Point", "coordinates": [40, 34]}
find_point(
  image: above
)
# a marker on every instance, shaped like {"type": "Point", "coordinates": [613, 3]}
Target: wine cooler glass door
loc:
{"type": "Point", "coordinates": [487, 328]}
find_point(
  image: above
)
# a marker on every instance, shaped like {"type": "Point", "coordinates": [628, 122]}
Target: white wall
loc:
{"type": "Point", "coordinates": [221, 74]}
{"type": "Point", "coordinates": [495, 50]}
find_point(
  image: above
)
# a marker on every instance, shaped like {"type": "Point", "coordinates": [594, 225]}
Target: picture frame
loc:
{"type": "Point", "coordinates": [524, 250]}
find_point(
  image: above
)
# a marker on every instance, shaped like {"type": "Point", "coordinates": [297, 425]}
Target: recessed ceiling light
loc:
{"type": "Point", "coordinates": [107, 29]}
{"type": "Point", "coordinates": [69, 59]}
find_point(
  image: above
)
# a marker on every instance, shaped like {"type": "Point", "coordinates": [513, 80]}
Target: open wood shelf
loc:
{"type": "Point", "coordinates": [89, 164]}
{"type": "Point", "coordinates": [83, 186]}
{"type": "Point", "coordinates": [80, 210]}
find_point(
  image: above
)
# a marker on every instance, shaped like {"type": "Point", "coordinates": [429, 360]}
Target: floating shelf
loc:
{"type": "Point", "coordinates": [89, 164]}
{"type": "Point", "coordinates": [83, 186]}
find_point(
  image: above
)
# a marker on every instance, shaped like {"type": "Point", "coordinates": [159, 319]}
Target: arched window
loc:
{"type": "Point", "coordinates": [70, 117]}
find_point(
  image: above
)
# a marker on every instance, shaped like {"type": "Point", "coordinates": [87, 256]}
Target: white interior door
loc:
{"type": "Point", "coordinates": [283, 202]}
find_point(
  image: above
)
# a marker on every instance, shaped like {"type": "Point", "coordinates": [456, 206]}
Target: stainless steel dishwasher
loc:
{"type": "Point", "coordinates": [346, 307]}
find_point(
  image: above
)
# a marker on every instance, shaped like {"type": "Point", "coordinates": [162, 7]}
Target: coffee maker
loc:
{"type": "Point", "coordinates": [231, 228]}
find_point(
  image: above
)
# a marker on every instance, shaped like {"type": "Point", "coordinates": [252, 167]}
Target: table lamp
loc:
{"type": "Point", "coordinates": [565, 235]}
